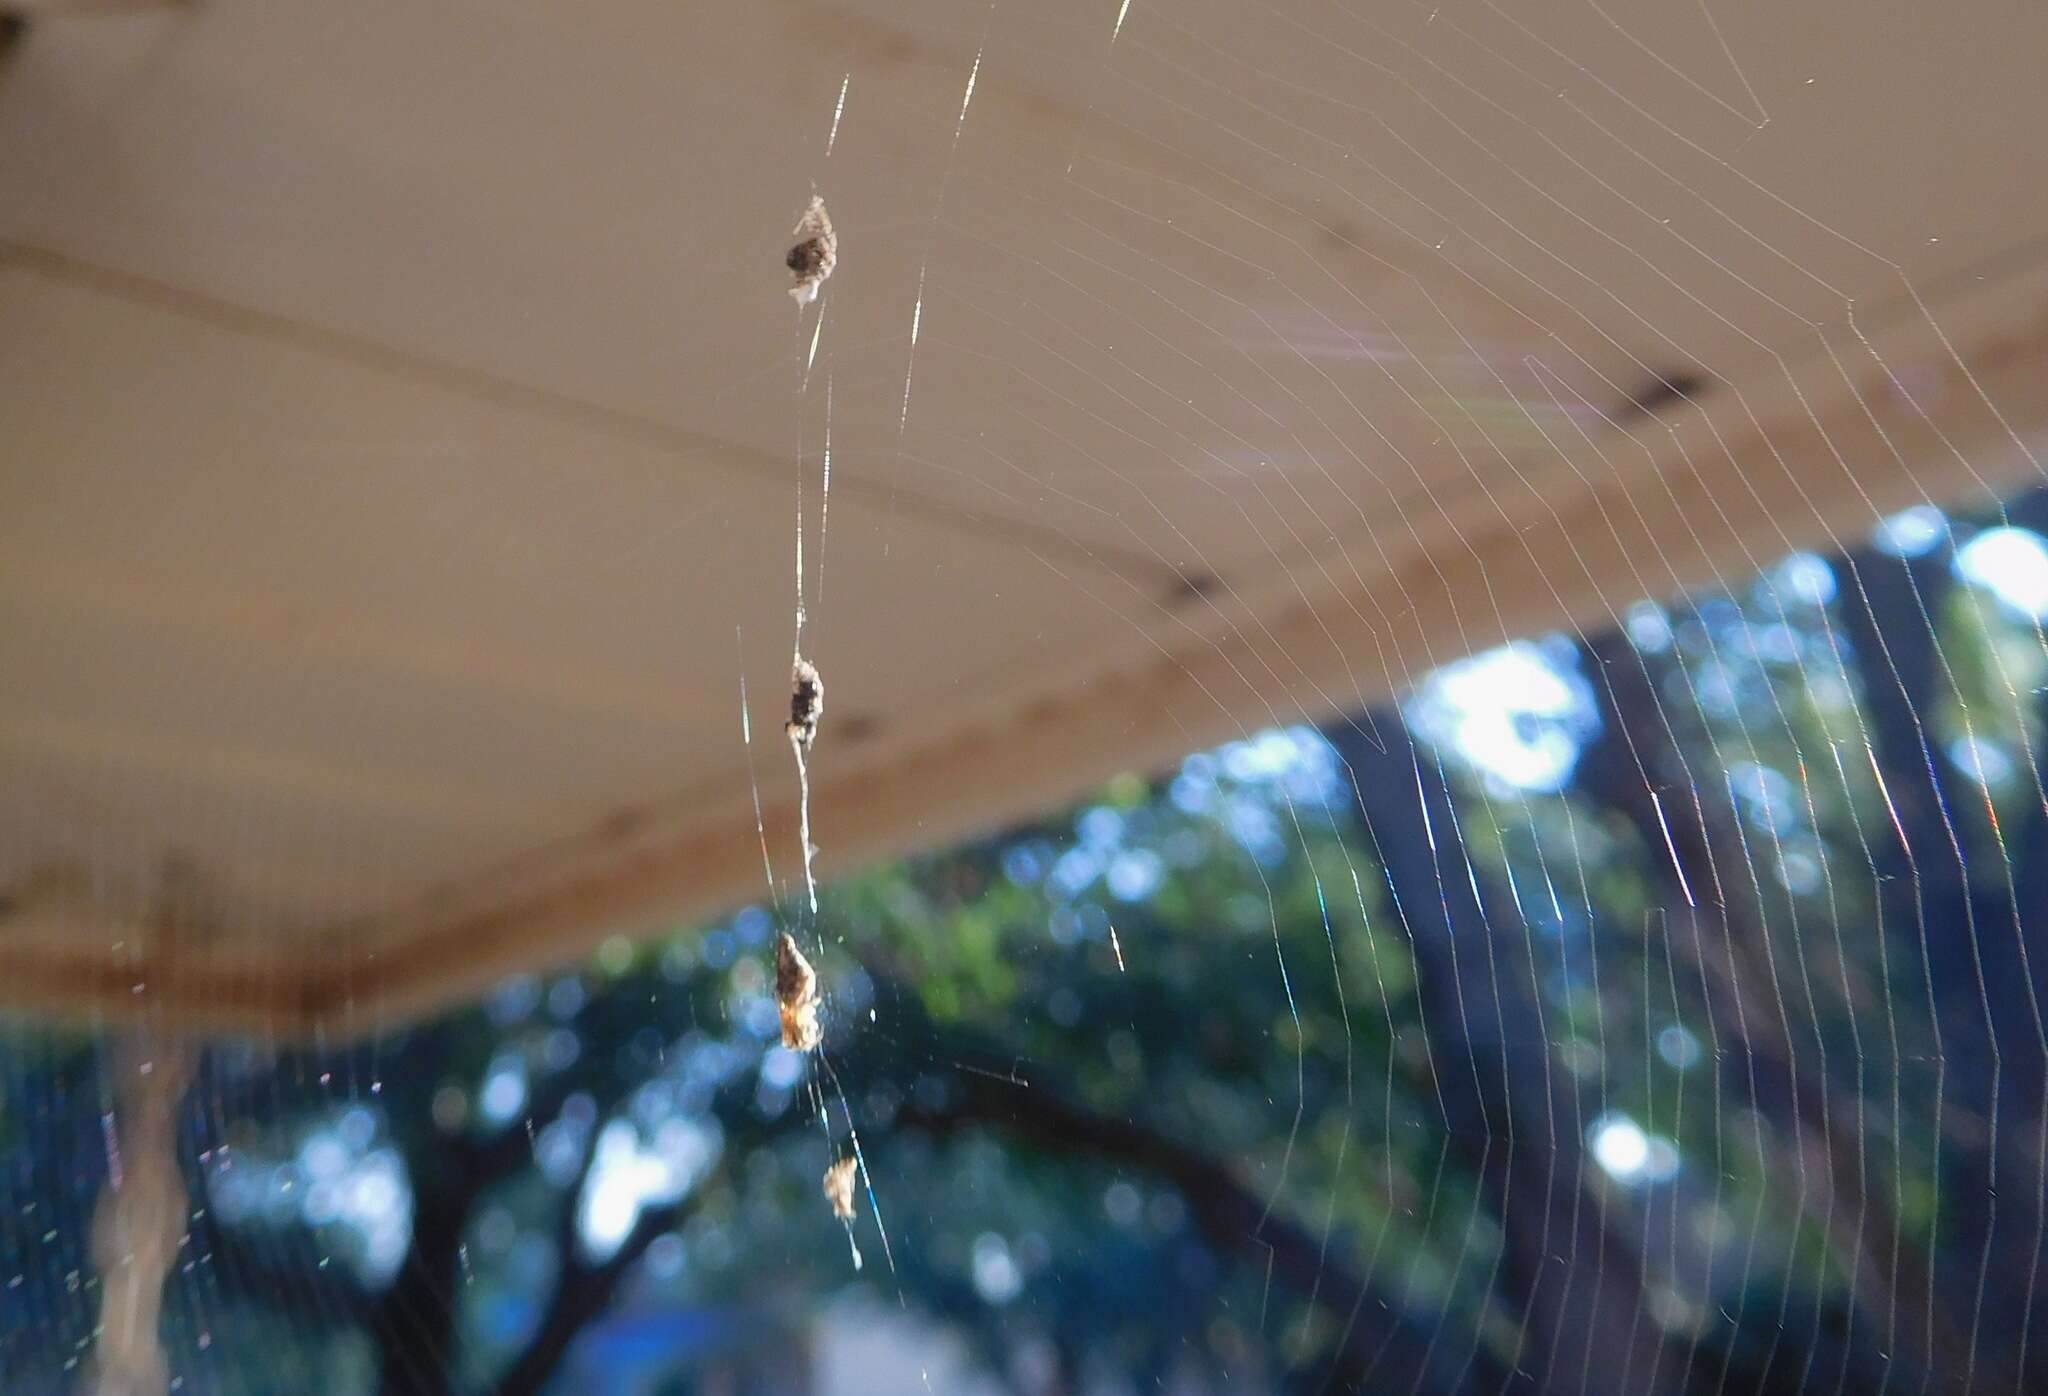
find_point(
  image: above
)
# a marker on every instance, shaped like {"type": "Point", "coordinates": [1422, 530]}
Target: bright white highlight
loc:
{"type": "Point", "coordinates": [504, 1091]}
{"type": "Point", "coordinates": [2011, 564]}
{"type": "Point", "coordinates": [972, 74]}
{"type": "Point", "coordinates": [837, 112]}
{"type": "Point", "coordinates": [996, 1277]}
{"type": "Point", "coordinates": [1911, 532]}
{"type": "Point", "coordinates": [1510, 712]}
{"type": "Point", "coordinates": [1628, 1154]}
{"type": "Point", "coordinates": [627, 1176]}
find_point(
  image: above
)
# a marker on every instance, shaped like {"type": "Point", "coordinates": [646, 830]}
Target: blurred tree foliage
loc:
{"type": "Point", "coordinates": [1677, 1032]}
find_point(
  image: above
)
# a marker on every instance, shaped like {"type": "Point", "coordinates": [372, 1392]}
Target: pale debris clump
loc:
{"type": "Point", "coordinates": [839, 1187]}
{"type": "Point", "coordinates": [806, 706]}
{"type": "Point", "coordinates": [806, 703]}
{"type": "Point", "coordinates": [816, 254]}
{"type": "Point", "coordinates": [796, 996]}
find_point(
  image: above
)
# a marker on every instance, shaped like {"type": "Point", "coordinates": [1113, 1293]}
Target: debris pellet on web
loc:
{"type": "Point", "coordinates": [839, 1187]}
{"type": "Point", "coordinates": [806, 703]}
{"type": "Point", "coordinates": [806, 706]}
{"type": "Point", "coordinates": [816, 254]}
{"type": "Point", "coordinates": [838, 1184]}
{"type": "Point", "coordinates": [796, 996]}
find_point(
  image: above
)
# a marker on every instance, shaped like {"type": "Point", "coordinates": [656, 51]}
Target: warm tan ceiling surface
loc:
{"type": "Point", "coordinates": [400, 414]}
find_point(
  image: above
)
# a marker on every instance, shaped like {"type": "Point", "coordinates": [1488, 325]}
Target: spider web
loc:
{"type": "Point", "coordinates": [1649, 1003]}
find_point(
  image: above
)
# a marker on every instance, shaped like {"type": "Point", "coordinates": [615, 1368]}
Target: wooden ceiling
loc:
{"type": "Point", "coordinates": [402, 419]}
